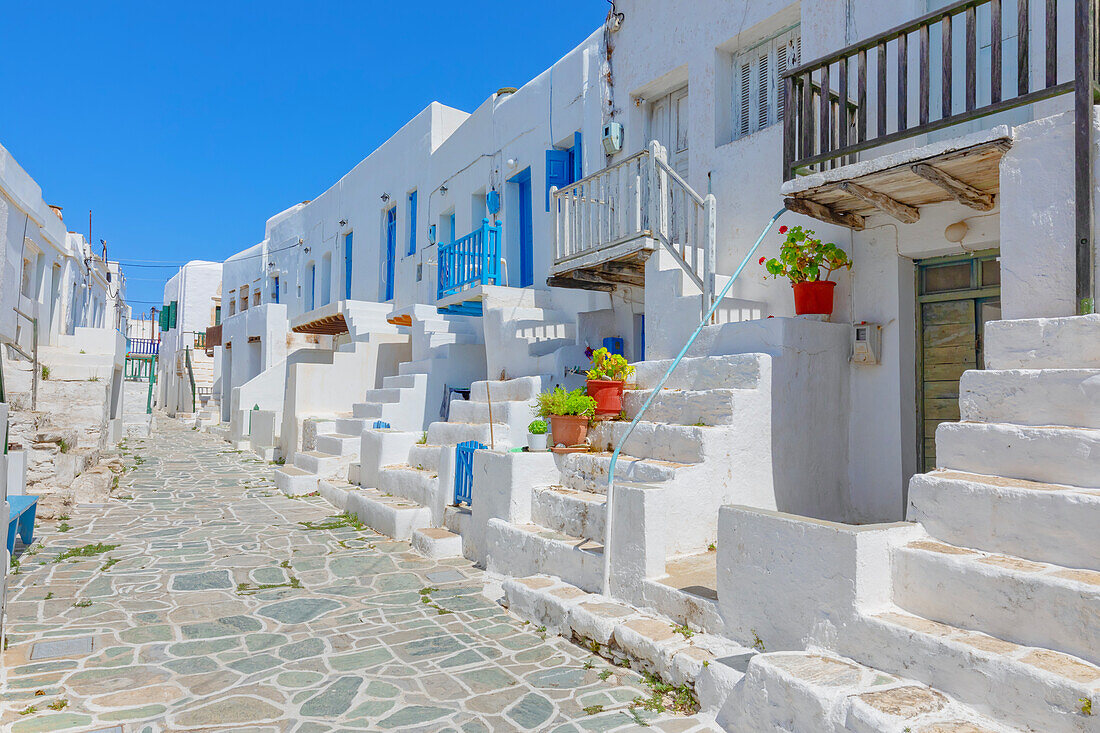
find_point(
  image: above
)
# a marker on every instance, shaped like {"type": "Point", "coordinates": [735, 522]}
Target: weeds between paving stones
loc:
{"type": "Point", "coordinates": [337, 522]}
{"type": "Point", "coordinates": [86, 551]}
{"type": "Point", "coordinates": [58, 704]}
{"type": "Point", "coordinates": [110, 562]}
{"type": "Point", "coordinates": [82, 603]}
{"type": "Point", "coordinates": [604, 675]}
{"type": "Point", "coordinates": [682, 630]}
{"type": "Point", "coordinates": [248, 589]}
{"type": "Point", "coordinates": [664, 696]}
{"type": "Point", "coordinates": [426, 597]}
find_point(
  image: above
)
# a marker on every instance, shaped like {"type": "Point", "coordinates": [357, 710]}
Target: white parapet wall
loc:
{"type": "Point", "coordinates": [788, 581]}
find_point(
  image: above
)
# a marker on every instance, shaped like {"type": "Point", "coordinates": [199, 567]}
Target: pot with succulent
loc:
{"type": "Point", "coordinates": [569, 414]}
{"type": "Point", "coordinates": [536, 436]}
{"type": "Point", "coordinates": [809, 264]}
{"type": "Point", "coordinates": [606, 380]}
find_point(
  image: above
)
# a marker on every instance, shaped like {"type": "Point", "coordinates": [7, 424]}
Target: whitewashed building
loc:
{"type": "Point", "coordinates": [186, 372]}
{"type": "Point", "coordinates": [882, 520]}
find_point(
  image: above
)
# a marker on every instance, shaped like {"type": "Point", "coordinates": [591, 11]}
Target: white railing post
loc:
{"type": "Point", "coordinates": [555, 209]}
{"type": "Point", "coordinates": [653, 174]}
{"type": "Point", "coordinates": [710, 249]}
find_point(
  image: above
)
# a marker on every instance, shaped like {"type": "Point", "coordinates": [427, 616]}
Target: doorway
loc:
{"type": "Point", "coordinates": [668, 125]}
{"type": "Point", "coordinates": [956, 297]}
{"type": "Point", "coordinates": [521, 186]}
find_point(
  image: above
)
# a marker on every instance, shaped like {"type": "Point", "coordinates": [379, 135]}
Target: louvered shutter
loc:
{"type": "Point", "coordinates": [760, 100]}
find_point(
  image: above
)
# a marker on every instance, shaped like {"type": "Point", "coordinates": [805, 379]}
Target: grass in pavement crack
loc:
{"type": "Point", "coordinates": [85, 551]}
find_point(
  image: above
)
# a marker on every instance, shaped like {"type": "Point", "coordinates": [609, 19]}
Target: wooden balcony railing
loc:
{"type": "Point", "coordinates": [888, 85]}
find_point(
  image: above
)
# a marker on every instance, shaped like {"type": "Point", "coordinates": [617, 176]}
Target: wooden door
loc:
{"type": "Point", "coordinates": [957, 296]}
{"type": "Point", "coordinates": [668, 125]}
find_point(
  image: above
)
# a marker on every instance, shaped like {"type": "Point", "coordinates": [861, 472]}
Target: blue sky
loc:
{"type": "Point", "coordinates": [184, 126]}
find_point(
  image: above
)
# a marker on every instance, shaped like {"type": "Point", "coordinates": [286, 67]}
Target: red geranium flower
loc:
{"type": "Point", "coordinates": [762, 260]}
{"type": "Point", "coordinates": [783, 229]}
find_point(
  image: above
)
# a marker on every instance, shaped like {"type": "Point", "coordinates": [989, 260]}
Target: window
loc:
{"type": "Point", "coordinates": [412, 224]}
{"type": "Point", "coordinates": [564, 166]}
{"type": "Point", "coordinates": [217, 315]}
{"type": "Point", "coordinates": [758, 99]}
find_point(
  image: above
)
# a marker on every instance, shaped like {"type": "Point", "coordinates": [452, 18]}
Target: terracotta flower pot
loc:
{"type": "Point", "coordinates": [814, 298]}
{"type": "Point", "coordinates": [608, 395]}
{"type": "Point", "coordinates": [569, 429]}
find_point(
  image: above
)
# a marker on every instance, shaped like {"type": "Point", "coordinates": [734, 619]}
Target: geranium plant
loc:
{"type": "Point", "coordinates": [606, 365]}
{"type": "Point", "coordinates": [804, 258]}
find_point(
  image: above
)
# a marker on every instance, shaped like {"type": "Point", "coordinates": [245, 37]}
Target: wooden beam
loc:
{"type": "Point", "coordinates": [566, 282]}
{"type": "Point", "coordinates": [607, 277]}
{"type": "Point", "coordinates": [824, 213]}
{"type": "Point", "coordinates": [624, 268]}
{"type": "Point", "coordinates": [961, 191]}
{"type": "Point", "coordinates": [902, 212]}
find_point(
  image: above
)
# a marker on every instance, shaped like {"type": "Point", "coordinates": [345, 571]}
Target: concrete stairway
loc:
{"type": "Point", "coordinates": [682, 449]}
{"type": "Point", "coordinates": [408, 500]}
{"type": "Point", "coordinates": [337, 442]}
{"type": "Point", "coordinates": [999, 606]}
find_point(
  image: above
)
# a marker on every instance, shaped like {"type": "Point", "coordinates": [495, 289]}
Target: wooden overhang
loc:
{"type": "Point", "coordinates": [405, 319]}
{"type": "Point", "coordinates": [328, 325]}
{"type": "Point", "coordinates": [628, 269]}
{"type": "Point", "coordinates": [969, 175]}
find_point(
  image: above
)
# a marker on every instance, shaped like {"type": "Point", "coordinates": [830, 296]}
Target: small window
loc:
{"type": "Point", "coordinates": [760, 98]}
{"type": "Point", "coordinates": [217, 315]}
{"type": "Point", "coordinates": [412, 224]}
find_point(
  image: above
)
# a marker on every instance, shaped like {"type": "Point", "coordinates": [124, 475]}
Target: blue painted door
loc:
{"type": "Point", "coordinates": [312, 286]}
{"type": "Point", "coordinates": [391, 250]}
{"type": "Point", "coordinates": [464, 471]}
{"type": "Point", "coordinates": [276, 293]}
{"type": "Point", "coordinates": [526, 232]}
{"type": "Point", "coordinates": [348, 249]}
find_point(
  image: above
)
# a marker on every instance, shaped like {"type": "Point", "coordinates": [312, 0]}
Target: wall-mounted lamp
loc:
{"type": "Point", "coordinates": [443, 189]}
{"type": "Point", "coordinates": [512, 163]}
{"type": "Point", "coordinates": [343, 222]}
{"type": "Point", "coordinates": [385, 197]}
{"type": "Point", "coordinates": [306, 250]}
{"type": "Point", "coordinates": [956, 232]}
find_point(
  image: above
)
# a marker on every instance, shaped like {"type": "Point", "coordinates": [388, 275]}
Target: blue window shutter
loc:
{"type": "Point", "coordinates": [349, 252]}
{"type": "Point", "coordinates": [412, 223]}
{"type": "Point", "coordinates": [276, 290]}
{"type": "Point", "coordinates": [559, 171]}
{"type": "Point", "coordinates": [578, 157]}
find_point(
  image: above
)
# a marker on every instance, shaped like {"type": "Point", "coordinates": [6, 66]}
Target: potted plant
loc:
{"type": "Point", "coordinates": [606, 380]}
{"type": "Point", "coordinates": [569, 413]}
{"type": "Point", "coordinates": [536, 435]}
{"type": "Point", "coordinates": [803, 258]}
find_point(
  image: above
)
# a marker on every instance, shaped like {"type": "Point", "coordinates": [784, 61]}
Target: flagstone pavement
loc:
{"type": "Point", "coordinates": [214, 608]}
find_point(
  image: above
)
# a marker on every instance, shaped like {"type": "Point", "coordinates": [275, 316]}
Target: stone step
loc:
{"type": "Point", "coordinates": [383, 395]}
{"type": "Point", "coordinates": [1019, 685]}
{"type": "Point", "coordinates": [408, 482]}
{"type": "Point", "coordinates": [1018, 600]}
{"type": "Point", "coordinates": [1045, 454]}
{"type": "Point", "coordinates": [711, 665]}
{"type": "Point", "coordinates": [998, 515]}
{"type": "Point", "coordinates": [336, 492]}
{"type": "Point", "coordinates": [294, 481]}
{"type": "Point", "coordinates": [825, 693]}
{"type": "Point", "coordinates": [735, 371]}
{"type": "Point", "coordinates": [448, 433]}
{"type": "Point", "coordinates": [549, 346]}
{"type": "Point", "coordinates": [588, 471]}
{"type": "Point", "coordinates": [403, 381]}
{"type": "Point", "coordinates": [425, 457]}
{"type": "Point", "coordinates": [321, 463]}
{"type": "Point", "coordinates": [353, 426]}
{"type": "Point", "coordinates": [1068, 397]}
{"type": "Point", "coordinates": [339, 444]}
{"type": "Point", "coordinates": [530, 549]}
{"type": "Point", "coordinates": [522, 389]}
{"type": "Point", "coordinates": [368, 411]}
{"type": "Point", "coordinates": [392, 516]}
{"type": "Point", "coordinates": [709, 407]}
{"type": "Point", "coordinates": [509, 413]}
{"type": "Point", "coordinates": [437, 543]}
{"type": "Point", "coordinates": [1072, 342]}
{"type": "Point", "coordinates": [574, 513]}
{"type": "Point", "coordinates": [660, 441]}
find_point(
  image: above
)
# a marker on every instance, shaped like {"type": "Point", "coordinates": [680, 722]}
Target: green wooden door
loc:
{"type": "Point", "coordinates": [956, 297]}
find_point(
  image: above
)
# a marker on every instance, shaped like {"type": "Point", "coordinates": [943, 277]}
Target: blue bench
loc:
{"type": "Point", "coordinates": [22, 518]}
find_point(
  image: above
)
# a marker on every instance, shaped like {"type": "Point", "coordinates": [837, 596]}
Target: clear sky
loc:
{"type": "Point", "coordinates": [184, 125]}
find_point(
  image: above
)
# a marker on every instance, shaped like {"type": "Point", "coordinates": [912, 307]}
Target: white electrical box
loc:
{"type": "Point", "coordinates": [612, 138]}
{"type": "Point", "coordinates": [866, 343]}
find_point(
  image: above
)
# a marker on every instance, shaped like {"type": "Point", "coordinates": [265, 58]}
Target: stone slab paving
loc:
{"type": "Point", "coordinates": [214, 608]}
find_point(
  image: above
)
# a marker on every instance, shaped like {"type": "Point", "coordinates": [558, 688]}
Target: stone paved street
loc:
{"type": "Point", "coordinates": [213, 607]}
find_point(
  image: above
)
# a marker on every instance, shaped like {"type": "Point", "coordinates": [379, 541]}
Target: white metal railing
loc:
{"type": "Point", "coordinates": [615, 206]}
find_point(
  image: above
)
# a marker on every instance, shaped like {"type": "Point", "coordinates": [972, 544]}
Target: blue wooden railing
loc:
{"type": "Point", "coordinates": [470, 261]}
{"type": "Point", "coordinates": [143, 346]}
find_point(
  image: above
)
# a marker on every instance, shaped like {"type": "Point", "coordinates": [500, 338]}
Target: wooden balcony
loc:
{"type": "Point", "coordinates": [923, 77]}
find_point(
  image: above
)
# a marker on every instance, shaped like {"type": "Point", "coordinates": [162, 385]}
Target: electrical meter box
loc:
{"type": "Point", "coordinates": [612, 138]}
{"type": "Point", "coordinates": [866, 343]}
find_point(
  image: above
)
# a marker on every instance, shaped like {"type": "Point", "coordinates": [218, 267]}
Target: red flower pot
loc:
{"type": "Point", "coordinates": [608, 395]}
{"type": "Point", "coordinates": [814, 298]}
{"type": "Point", "coordinates": [568, 430]}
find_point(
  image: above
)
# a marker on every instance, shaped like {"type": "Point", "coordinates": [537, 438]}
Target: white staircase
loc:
{"type": "Point", "coordinates": [408, 498]}
{"type": "Point", "coordinates": [999, 606]}
{"type": "Point", "coordinates": [686, 447]}
{"type": "Point", "coordinates": [337, 442]}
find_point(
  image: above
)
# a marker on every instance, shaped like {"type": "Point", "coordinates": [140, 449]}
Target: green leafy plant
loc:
{"type": "Point", "coordinates": [604, 675]}
{"type": "Point", "coordinates": [64, 446]}
{"type": "Point", "coordinates": [423, 438]}
{"type": "Point", "coordinates": [803, 257]}
{"type": "Point", "coordinates": [683, 630]}
{"type": "Point", "coordinates": [58, 704]}
{"type": "Point", "coordinates": [85, 551]}
{"type": "Point", "coordinates": [538, 427]}
{"type": "Point", "coordinates": [559, 402]}
{"type": "Point", "coordinates": [606, 365]}
{"type": "Point", "coordinates": [1086, 705]}
{"type": "Point", "coordinates": [45, 372]}
{"type": "Point", "coordinates": [593, 709]}
{"type": "Point", "coordinates": [83, 603]}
